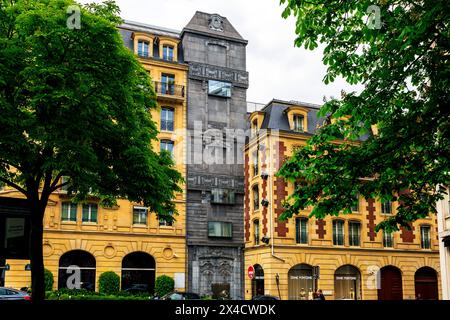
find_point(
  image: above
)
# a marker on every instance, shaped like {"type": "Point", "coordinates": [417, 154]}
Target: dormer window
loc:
{"type": "Point", "coordinates": [299, 121]}
{"type": "Point", "coordinates": [168, 53]}
{"type": "Point", "coordinates": [143, 48]}
{"type": "Point", "coordinates": [254, 127]}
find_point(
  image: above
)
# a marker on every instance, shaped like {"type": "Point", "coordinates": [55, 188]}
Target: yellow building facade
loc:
{"type": "Point", "coordinates": [126, 239]}
{"type": "Point", "coordinates": [343, 256]}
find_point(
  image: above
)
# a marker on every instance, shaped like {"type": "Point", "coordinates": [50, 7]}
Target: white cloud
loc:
{"type": "Point", "coordinates": [277, 68]}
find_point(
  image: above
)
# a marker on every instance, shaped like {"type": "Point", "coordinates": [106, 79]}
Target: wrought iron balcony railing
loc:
{"type": "Point", "coordinates": [169, 89]}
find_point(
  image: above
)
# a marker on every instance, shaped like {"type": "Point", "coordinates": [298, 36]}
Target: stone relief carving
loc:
{"type": "Point", "coordinates": [216, 23]}
{"type": "Point", "coordinates": [200, 71]}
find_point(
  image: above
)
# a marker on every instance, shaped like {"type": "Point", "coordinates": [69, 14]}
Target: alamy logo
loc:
{"type": "Point", "coordinates": [73, 281]}
{"type": "Point", "coordinates": [374, 20]}
{"type": "Point", "coordinates": [74, 19]}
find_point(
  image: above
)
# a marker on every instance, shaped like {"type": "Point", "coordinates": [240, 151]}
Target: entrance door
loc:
{"type": "Point", "coordinates": [426, 284]}
{"type": "Point", "coordinates": [391, 284]}
{"type": "Point", "coordinates": [258, 281]}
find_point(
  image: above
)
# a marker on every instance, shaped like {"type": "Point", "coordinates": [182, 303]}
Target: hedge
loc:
{"type": "Point", "coordinates": [109, 283]}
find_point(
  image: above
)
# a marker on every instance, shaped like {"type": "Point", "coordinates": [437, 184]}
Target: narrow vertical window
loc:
{"type": "Point", "coordinates": [255, 197]}
{"type": "Point", "coordinates": [388, 240]}
{"type": "Point", "coordinates": [255, 163]}
{"type": "Point", "coordinates": [256, 231]}
{"type": "Point", "coordinates": [301, 230]}
{"type": "Point", "coordinates": [168, 53]}
{"type": "Point", "coordinates": [386, 207]}
{"type": "Point", "coordinates": [354, 233]}
{"type": "Point", "coordinates": [338, 232]}
{"type": "Point", "coordinates": [140, 215]}
{"type": "Point", "coordinates": [425, 237]}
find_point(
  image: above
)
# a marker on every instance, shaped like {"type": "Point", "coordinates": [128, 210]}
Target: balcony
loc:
{"type": "Point", "coordinates": [169, 91]}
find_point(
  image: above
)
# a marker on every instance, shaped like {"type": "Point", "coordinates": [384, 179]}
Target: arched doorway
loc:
{"type": "Point", "coordinates": [77, 270]}
{"type": "Point", "coordinates": [138, 272]}
{"type": "Point", "coordinates": [258, 281]}
{"type": "Point", "coordinates": [391, 287]}
{"type": "Point", "coordinates": [347, 283]}
{"type": "Point", "coordinates": [301, 282]}
{"type": "Point", "coordinates": [426, 284]}
{"type": "Point", "coordinates": [2, 272]}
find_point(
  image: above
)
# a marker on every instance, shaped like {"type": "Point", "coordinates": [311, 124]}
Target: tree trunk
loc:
{"type": "Point", "coordinates": [36, 255]}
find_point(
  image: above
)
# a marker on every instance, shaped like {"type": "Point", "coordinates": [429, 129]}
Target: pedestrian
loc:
{"type": "Point", "coordinates": [320, 294]}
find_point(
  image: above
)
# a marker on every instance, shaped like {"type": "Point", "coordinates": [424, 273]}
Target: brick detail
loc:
{"type": "Point", "coordinates": [321, 231]}
{"type": "Point", "coordinates": [371, 219]}
{"type": "Point", "coordinates": [247, 197]}
{"type": "Point", "coordinates": [264, 221]}
{"type": "Point", "coordinates": [280, 190]}
{"type": "Point", "coordinates": [408, 236]}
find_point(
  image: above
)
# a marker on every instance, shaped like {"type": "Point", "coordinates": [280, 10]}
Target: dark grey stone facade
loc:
{"type": "Point", "coordinates": [215, 51]}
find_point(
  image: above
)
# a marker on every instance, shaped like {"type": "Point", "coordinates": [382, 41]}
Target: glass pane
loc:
{"type": "Point", "coordinates": [219, 88]}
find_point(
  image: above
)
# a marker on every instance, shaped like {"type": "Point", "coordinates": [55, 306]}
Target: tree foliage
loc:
{"type": "Point", "coordinates": [400, 118]}
{"type": "Point", "coordinates": [109, 283]}
{"type": "Point", "coordinates": [76, 103]}
{"type": "Point", "coordinates": [164, 285]}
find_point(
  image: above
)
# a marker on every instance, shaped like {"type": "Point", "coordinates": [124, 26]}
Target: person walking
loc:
{"type": "Point", "coordinates": [320, 294]}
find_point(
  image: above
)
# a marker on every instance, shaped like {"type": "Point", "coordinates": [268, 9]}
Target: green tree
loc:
{"type": "Point", "coordinates": [48, 280]}
{"type": "Point", "coordinates": [399, 51]}
{"type": "Point", "coordinates": [109, 283]}
{"type": "Point", "coordinates": [164, 285]}
{"type": "Point", "coordinates": [75, 103]}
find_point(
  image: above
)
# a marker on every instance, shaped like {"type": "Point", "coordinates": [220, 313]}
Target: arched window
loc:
{"type": "Point", "coordinates": [301, 283]}
{"type": "Point", "coordinates": [347, 283]}
{"type": "Point", "coordinates": [138, 272]}
{"type": "Point", "coordinates": [426, 284]}
{"type": "Point", "coordinates": [77, 270]}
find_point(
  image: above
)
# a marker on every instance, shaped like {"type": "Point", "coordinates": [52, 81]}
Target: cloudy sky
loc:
{"type": "Point", "coordinates": [277, 68]}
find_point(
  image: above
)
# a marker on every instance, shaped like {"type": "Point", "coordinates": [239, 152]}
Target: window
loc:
{"type": "Point", "coordinates": [301, 230]}
{"type": "Point", "coordinates": [219, 88]}
{"type": "Point", "coordinates": [168, 84]}
{"type": "Point", "coordinates": [222, 196]}
{"type": "Point", "coordinates": [69, 211]}
{"type": "Point", "coordinates": [254, 127]}
{"type": "Point", "coordinates": [220, 229]}
{"type": "Point", "coordinates": [166, 145]}
{"type": "Point", "coordinates": [354, 232]}
{"type": "Point", "coordinates": [386, 207]}
{"type": "Point", "coordinates": [164, 223]}
{"type": "Point", "coordinates": [140, 215]}
{"type": "Point", "coordinates": [298, 122]}
{"type": "Point", "coordinates": [167, 116]}
{"type": "Point", "coordinates": [338, 232]}
{"type": "Point", "coordinates": [425, 237]}
{"type": "Point", "coordinates": [167, 53]}
{"type": "Point", "coordinates": [255, 197]}
{"type": "Point", "coordinates": [256, 231]}
{"type": "Point", "coordinates": [255, 163]}
{"type": "Point", "coordinates": [388, 240]}
{"type": "Point", "coordinates": [90, 212]}
{"type": "Point", "coordinates": [355, 206]}
{"type": "Point", "coordinates": [143, 48]}
{"type": "Point", "coordinates": [65, 181]}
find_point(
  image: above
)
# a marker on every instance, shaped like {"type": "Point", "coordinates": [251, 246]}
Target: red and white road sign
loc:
{"type": "Point", "coordinates": [251, 272]}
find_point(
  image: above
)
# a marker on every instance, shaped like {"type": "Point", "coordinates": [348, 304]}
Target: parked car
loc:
{"type": "Point", "coordinates": [181, 296]}
{"type": "Point", "coordinates": [265, 297]}
{"type": "Point", "coordinates": [137, 289]}
{"type": "Point", "coordinates": [13, 294]}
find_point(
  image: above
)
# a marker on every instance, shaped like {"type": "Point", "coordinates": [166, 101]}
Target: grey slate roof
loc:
{"type": "Point", "coordinates": [156, 30]}
{"type": "Point", "coordinates": [200, 24]}
{"type": "Point", "coordinates": [276, 118]}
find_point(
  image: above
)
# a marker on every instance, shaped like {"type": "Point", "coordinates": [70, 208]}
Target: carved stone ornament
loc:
{"type": "Point", "coordinates": [216, 23]}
